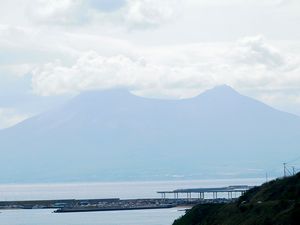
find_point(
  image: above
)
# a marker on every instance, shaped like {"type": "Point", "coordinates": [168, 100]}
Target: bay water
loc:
{"type": "Point", "coordinates": [123, 190]}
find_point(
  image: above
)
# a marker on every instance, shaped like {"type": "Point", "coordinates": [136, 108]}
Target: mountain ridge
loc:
{"type": "Point", "coordinates": [146, 138]}
{"type": "Point", "coordinates": [121, 92]}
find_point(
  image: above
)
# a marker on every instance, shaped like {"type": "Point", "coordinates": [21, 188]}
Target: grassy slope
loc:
{"type": "Point", "coordinates": [274, 203]}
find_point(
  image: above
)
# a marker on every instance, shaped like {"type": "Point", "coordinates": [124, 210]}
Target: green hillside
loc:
{"type": "Point", "coordinates": [274, 203]}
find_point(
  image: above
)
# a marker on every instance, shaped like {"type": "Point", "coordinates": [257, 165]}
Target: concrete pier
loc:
{"type": "Point", "coordinates": [178, 197]}
{"type": "Point", "coordinates": [204, 193]}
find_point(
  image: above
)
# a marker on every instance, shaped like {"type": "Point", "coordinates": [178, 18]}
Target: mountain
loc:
{"type": "Point", "coordinates": [115, 135]}
{"type": "Point", "coordinates": [276, 202]}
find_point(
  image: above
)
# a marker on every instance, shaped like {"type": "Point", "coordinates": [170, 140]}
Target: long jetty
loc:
{"type": "Point", "coordinates": [179, 197]}
{"type": "Point", "coordinates": [203, 193]}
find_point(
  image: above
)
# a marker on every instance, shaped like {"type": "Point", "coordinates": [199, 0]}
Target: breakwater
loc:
{"type": "Point", "coordinates": [113, 204]}
{"type": "Point", "coordinates": [180, 197]}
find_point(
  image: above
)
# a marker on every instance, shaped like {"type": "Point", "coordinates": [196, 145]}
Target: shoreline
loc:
{"type": "Point", "coordinates": [85, 209]}
{"type": "Point", "coordinates": [115, 204]}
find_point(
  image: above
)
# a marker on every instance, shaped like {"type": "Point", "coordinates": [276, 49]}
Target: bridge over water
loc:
{"type": "Point", "coordinates": [229, 192]}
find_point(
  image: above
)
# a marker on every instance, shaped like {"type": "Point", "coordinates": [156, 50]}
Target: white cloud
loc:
{"type": "Point", "coordinates": [255, 50]}
{"type": "Point", "coordinates": [9, 117]}
{"type": "Point", "coordinates": [93, 71]}
{"type": "Point", "coordinates": [250, 64]}
{"type": "Point", "coordinates": [129, 13]}
{"type": "Point", "coordinates": [145, 13]}
{"type": "Point", "coordinates": [77, 45]}
{"type": "Point", "coordinates": [58, 11]}
{"type": "Point", "coordinates": [18, 70]}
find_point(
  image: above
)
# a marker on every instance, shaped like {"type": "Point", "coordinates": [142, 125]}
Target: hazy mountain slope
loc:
{"type": "Point", "coordinates": [116, 135]}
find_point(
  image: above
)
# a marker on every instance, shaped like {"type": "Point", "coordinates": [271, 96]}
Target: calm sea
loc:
{"type": "Point", "coordinates": [124, 190]}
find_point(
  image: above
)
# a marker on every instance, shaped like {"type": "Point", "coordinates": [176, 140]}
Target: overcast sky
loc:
{"type": "Point", "coordinates": [51, 50]}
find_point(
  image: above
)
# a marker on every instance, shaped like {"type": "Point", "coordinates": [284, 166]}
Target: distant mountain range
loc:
{"type": "Point", "coordinates": [115, 135]}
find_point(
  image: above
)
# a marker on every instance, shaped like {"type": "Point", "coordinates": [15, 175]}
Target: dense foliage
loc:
{"type": "Point", "coordinates": [274, 203]}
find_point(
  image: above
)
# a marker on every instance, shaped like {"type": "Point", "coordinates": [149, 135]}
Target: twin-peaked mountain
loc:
{"type": "Point", "coordinates": [115, 135]}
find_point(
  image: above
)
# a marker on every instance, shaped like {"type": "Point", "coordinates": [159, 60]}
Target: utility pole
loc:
{"type": "Point", "coordinates": [266, 177]}
{"type": "Point", "coordinates": [293, 170]}
{"type": "Point", "coordinates": [284, 169]}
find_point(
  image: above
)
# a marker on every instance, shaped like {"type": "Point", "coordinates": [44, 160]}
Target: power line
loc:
{"type": "Point", "coordinates": [284, 169]}
{"type": "Point", "coordinates": [293, 160]}
{"type": "Point", "coordinates": [288, 169]}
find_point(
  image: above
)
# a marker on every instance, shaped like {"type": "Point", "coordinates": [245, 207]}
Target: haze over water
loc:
{"type": "Point", "coordinates": [121, 190]}
{"type": "Point", "coordinates": [100, 190]}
